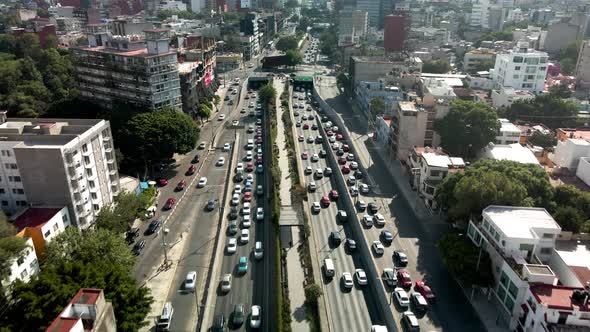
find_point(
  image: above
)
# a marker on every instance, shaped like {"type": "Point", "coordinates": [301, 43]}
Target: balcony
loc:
{"type": "Point", "coordinates": [87, 152]}
{"type": "Point", "coordinates": [112, 172]}
{"type": "Point", "coordinates": [90, 165]}
{"type": "Point", "coordinates": [106, 138]}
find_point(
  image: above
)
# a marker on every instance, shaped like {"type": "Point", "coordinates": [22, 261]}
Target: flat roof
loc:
{"type": "Point", "coordinates": [86, 296]}
{"type": "Point", "coordinates": [557, 297]}
{"type": "Point", "coordinates": [576, 255]}
{"type": "Point", "coordinates": [436, 160]}
{"type": "Point", "coordinates": [514, 152]}
{"type": "Point", "coordinates": [519, 222]}
{"type": "Point", "coordinates": [508, 126]}
{"type": "Point", "coordinates": [34, 217]}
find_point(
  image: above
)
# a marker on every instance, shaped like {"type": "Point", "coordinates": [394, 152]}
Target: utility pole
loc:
{"type": "Point", "coordinates": [165, 232]}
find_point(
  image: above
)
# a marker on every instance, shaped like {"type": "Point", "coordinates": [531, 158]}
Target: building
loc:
{"type": "Point", "coordinates": [508, 133]}
{"type": "Point", "coordinates": [352, 25]}
{"type": "Point", "coordinates": [535, 36]}
{"type": "Point", "coordinates": [521, 68]}
{"type": "Point", "coordinates": [249, 36]}
{"type": "Point", "coordinates": [582, 72]}
{"type": "Point", "coordinates": [87, 311]}
{"type": "Point", "coordinates": [520, 242]}
{"type": "Point", "coordinates": [172, 5]}
{"type": "Point", "coordinates": [41, 224]}
{"type": "Point", "coordinates": [229, 61]}
{"type": "Point", "coordinates": [409, 129]}
{"type": "Point", "coordinates": [513, 152]}
{"type": "Point", "coordinates": [497, 16]}
{"type": "Point", "coordinates": [560, 35]}
{"type": "Point", "coordinates": [132, 69]}
{"type": "Point", "coordinates": [569, 151]}
{"type": "Point", "coordinates": [365, 92]}
{"type": "Point", "coordinates": [58, 162]}
{"type": "Point", "coordinates": [383, 130]}
{"type": "Point", "coordinates": [371, 69]}
{"type": "Point", "coordinates": [479, 14]}
{"type": "Point", "coordinates": [396, 31]}
{"type": "Point", "coordinates": [480, 81]}
{"type": "Point", "coordinates": [198, 5]}
{"type": "Point", "coordinates": [474, 59]}
{"type": "Point", "coordinates": [428, 167]}
{"type": "Point", "coordinates": [197, 71]}
{"type": "Point", "coordinates": [24, 267]}
{"type": "Point", "coordinates": [373, 10]}
{"type": "Point", "coordinates": [506, 96]}
{"type": "Point", "coordinates": [250, 47]}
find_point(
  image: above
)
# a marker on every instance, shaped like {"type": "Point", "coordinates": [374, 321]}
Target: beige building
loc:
{"type": "Point", "coordinates": [367, 68]}
{"type": "Point", "coordinates": [474, 58]}
{"type": "Point", "coordinates": [583, 67]}
{"type": "Point", "coordinates": [409, 128]}
{"type": "Point", "coordinates": [352, 24]}
{"type": "Point", "coordinates": [57, 162]}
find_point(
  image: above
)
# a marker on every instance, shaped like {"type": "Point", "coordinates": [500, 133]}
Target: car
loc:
{"type": "Point", "coordinates": [246, 222]}
{"type": "Point", "coordinates": [249, 167]}
{"type": "Point", "coordinates": [226, 98]}
{"type": "Point", "coordinates": [361, 205]}
{"type": "Point", "coordinates": [345, 147]}
{"type": "Point", "coordinates": [339, 152]}
{"type": "Point", "coordinates": [225, 283]}
{"type": "Point", "coordinates": [243, 265]}
{"type": "Point", "coordinates": [350, 157]}
{"type": "Point", "coordinates": [210, 205]}
{"type": "Point", "coordinates": [345, 169]}
{"type": "Point", "coordinates": [298, 124]}
{"type": "Point", "coordinates": [361, 277]}
{"type": "Point", "coordinates": [306, 126]}
{"type": "Point", "coordinates": [330, 133]}
{"type": "Point", "coordinates": [248, 156]}
{"type": "Point", "coordinates": [378, 248]}
{"type": "Point", "coordinates": [153, 227]}
{"type": "Point", "coordinates": [162, 182]}
{"type": "Point", "coordinates": [138, 247]}
{"type": "Point", "coordinates": [238, 315]}
{"type": "Point", "coordinates": [202, 145]}
{"type": "Point", "coordinates": [319, 173]}
{"type": "Point", "coordinates": [410, 322]}
{"type": "Point", "coordinates": [246, 209]}
{"type": "Point", "coordinates": [386, 236]}
{"type": "Point", "coordinates": [335, 238]}
{"type": "Point", "coordinates": [319, 139]}
{"type": "Point", "coordinates": [389, 277]}
{"type": "Point", "coordinates": [239, 167]}
{"type": "Point", "coordinates": [250, 129]}
{"type": "Point", "coordinates": [233, 212]}
{"type": "Point", "coordinates": [190, 281]}
{"type": "Point", "coordinates": [259, 213]}
{"type": "Point", "coordinates": [301, 138]}
{"type": "Point", "coordinates": [310, 139]}
{"type": "Point", "coordinates": [245, 236]}
{"type": "Point", "coordinates": [325, 201]}
{"type": "Point", "coordinates": [404, 277]}
{"type": "Point", "coordinates": [247, 196]}
{"type": "Point", "coordinates": [132, 234]}
{"type": "Point", "coordinates": [315, 157]}
{"type": "Point", "coordinates": [400, 258]}
{"type": "Point", "coordinates": [314, 127]}
{"type": "Point", "coordinates": [339, 137]}
{"type": "Point", "coordinates": [334, 194]}
{"type": "Point", "coordinates": [196, 159]}
{"type": "Point", "coordinates": [332, 139]}
{"type": "Point", "coordinates": [315, 207]}
{"type": "Point", "coordinates": [259, 169]}
{"type": "Point", "coordinates": [232, 227]}
{"type": "Point", "coordinates": [373, 208]}
{"type": "Point", "coordinates": [239, 177]}
{"type": "Point", "coordinates": [363, 188]}
{"type": "Point", "coordinates": [419, 301]}
{"type": "Point", "coordinates": [221, 117]}
{"type": "Point", "coordinates": [322, 154]}
{"type": "Point", "coordinates": [354, 165]}
{"type": "Point", "coordinates": [304, 155]}
{"type": "Point", "coordinates": [235, 200]}
{"type": "Point", "coordinates": [226, 147]}
{"type": "Point", "coordinates": [259, 190]}
{"type": "Point", "coordinates": [255, 317]}
{"type": "Point", "coordinates": [350, 244]}
{"type": "Point", "coordinates": [342, 161]}
{"type": "Point", "coordinates": [181, 185]}
{"type": "Point", "coordinates": [308, 170]}
{"type": "Point", "coordinates": [401, 297]}
{"type": "Point", "coordinates": [327, 171]}
{"type": "Point", "coordinates": [424, 290]}
{"type": "Point", "coordinates": [220, 161]}
{"type": "Point", "coordinates": [358, 174]}
{"type": "Point", "coordinates": [351, 180]}
{"type": "Point", "coordinates": [379, 219]}
{"type": "Point", "coordinates": [353, 191]}
{"type": "Point", "coordinates": [202, 182]}
{"type": "Point", "coordinates": [347, 280]}
{"type": "Point", "coordinates": [311, 186]}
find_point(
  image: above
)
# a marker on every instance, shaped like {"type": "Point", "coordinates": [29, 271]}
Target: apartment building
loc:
{"type": "Point", "coordinates": [521, 68]}
{"type": "Point", "coordinates": [197, 71]}
{"type": "Point", "coordinates": [352, 24]}
{"type": "Point", "coordinates": [23, 267]}
{"type": "Point", "coordinates": [506, 96]}
{"type": "Point", "coordinates": [41, 224]}
{"type": "Point", "coordinates": [87, 311]}
{"type": "Point", "coordinates": [479, 14]}
{"type": "Point", "coordinates": [409, 128]}
{"type": "Point", "coordinates": [58, 162]}
{"type": "Point", "coordinates": [137, 69]}
{"type": "Point", "coordinates": [582, 73]}
{"type": "Point", "coordinates": [373, 10]}
{"type": "Point", "coordinates": [428, 167]}
{"type": "Point", "coordinates": [401, 68]}
{"type": "Point", "coordinates": [474, 58]}
{"type": "Point", "coordinates": [508, 133]}
{"type": "Point", "coordinates": [367, 91]}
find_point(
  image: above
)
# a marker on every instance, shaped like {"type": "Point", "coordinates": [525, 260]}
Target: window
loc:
{"type": "Point", "coordinates": [542, 60]}
{"type": "Point", "coordinates": [33, 265]}
{"type": "Point", "coordinates": [4, 203]}
{"type": "Point", "coordinates": [91, 184]}
{"type": "Point", "coordinates": [515, 76]}
{"type": "Point", "coordinates": [96, 207]}
{"type": "Point", "coordinates": [530, 77]}
{"type": "Point", "coordinates": [546, 251]}
{"type": "Point", "coordinates": [21, 260]}
{"type": "Point", "coordinates": [86, 160]}
{"type": "Point", "coordinates": [18, 191]}
{"type": "Point", "coordinates": [93, 195]}
{"type": "Point", "coordinates": [517, 68]}
{"type": "Point", "coordinates": [6, 153]}
{"type": "Point", "coordinates": [501, 292]}
{"type": "Point", "coordinates": [23, 203]}
{"type": "Point", "coordinates": [513, 290]}
{"type": "Point", "coordinates": [55, 227]}
{"type": "Point", "coordinates": [542, 68]}
{"type": "Point", "coordinates": [504, 279]}
{"type": "Point", "coordinates": [434, 173]}
{"type": "Point", "coordinates": [532, 61]}
{"type": "Point", "coordinates": [89, 171]}
{"type": "Point", "coordinates": [527, 85]}
{"type": "Point", "coordinates": [64, 218]}
{"type": "Point", "coordinates": [24, 274]}
{"type": "Point", "coordinates": [17, 179]}
{"type": "Point", "coordinates": [517, 59]}
{"type": "Point", "coordinates": [509, 303]}
{"type": "Point", "coordinates": [497, 237]}
{"type": "Point", "coordinates": [46, 235]}
{"type": "Point", "coordinates": [2, 191]}
{"type": "Point", "coordinates": [531, 70]}
{"type": "Point", "coordinates": [84, 148]}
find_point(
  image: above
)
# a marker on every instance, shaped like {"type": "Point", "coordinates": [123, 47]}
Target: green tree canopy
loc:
{"type": "Point", "coordinates": [543, 140]}
{"type": "Point", "coordinates": [461, 257]}
{"type": "Point", "coordinates": [267, 93]}
{"type": "Point", "coordinates": [294, 57]}
{"type": "Point", "coordinates": [560, 91]}
{"type": "Point", "coordinates": [128, 206]}
{"type": "Point", "coordinates": [569, 218]}
{"type": "Point", "coordinates": [377, 106]}
{"type": "Point", "coordinates": [287, 43]}
{"type": "Point", "coordinates": [468, 127]}
{"type": "Point", "coordinates": [313, 293]}
{"type": "Point", "coordinates": [11, 246]}
{"type": "Point", "coordinates": [548, 109]}
{"type": "Point", "coordinates": [304, 23]}
{"type": "Point", "coordinates": [441, 66]}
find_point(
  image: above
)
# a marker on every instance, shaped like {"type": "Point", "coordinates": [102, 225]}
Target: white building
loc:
{"type": "Point", "coordinates": [480, 81]}
{"type": "Point", "coordinates": [513, 152]}
{"type": "Point", "coordinates": [198, 5]}
{"type": "Point", "coordinates": [479, 13]}
{"type": "Point", "coordinates": [41, 224]}
{"type": "Point", "coordinates": [568, 152]}
{"type": "Point", "coordinates": [521, 68]}
{"type": "Point", "coordinates": [57, 162]}
{"type": "Point", "coordinates": [506, 96]}
{"type": "Point", "coordinates": [409, 129]}
{"type": "Point", "coordinates": [508, 133]}
{"type": "Point", "coordinates": [172, 5]}
{"type": "Point", "coordinates": [24, 267]}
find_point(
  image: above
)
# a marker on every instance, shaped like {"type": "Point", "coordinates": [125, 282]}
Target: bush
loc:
{"type": "Point", "coordinates": [313, 293]}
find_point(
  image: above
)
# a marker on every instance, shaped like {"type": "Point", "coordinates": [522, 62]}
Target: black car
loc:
{"type": "Point", "coordinates": [210, 205]}
{"type": "Point", "coordinates": [132, 234]}
{"type": "Point", "coordinates": [218, 323]}
{"type": "Point", "coordinates": [335, 238]}
{"type": "Point", "coordinates": [239, 177]}
{"type": "Point", "coordinates": [233, 212]}
{"type": "Point", "coordinates": [372, 208]}
{"type": "Point", "coordinates": [138, 247]}
{"type": "Point", "coordinates": [389, 277]}
{"type": "Point", "coordinates": [322, 154]}
{"type": "Point", "coordinates": [238, 315]}
{"type": "Point", "coordinates": [196, 159]}
{"type": "Point", "coordinates": [314, 127]}
{"type": "Point", "coordinates": [351, 244]}
{"type": "Point", "coordinates": [153, 227]}
{"type": "Point", "coordinates": [339, 152]}
{"type": "Point", "coordinates": [386, 236]}
{"type": "Point", "coordinates": [400, 257]}
{"type": "Point", "coordinates": [358, 174]}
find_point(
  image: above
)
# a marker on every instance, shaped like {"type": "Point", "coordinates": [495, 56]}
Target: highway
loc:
{"type": "Point", "coordinates": [348, 309]}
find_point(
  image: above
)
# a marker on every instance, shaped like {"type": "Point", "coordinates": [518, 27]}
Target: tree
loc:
{"type": "Point", "coordinates": [156, 136]}
{"type": "Point", "coordinates": [11, 246]}
{"type": "Point", "coordinates": [294, 18]}
{"type": "Point", "coordinates": [465, 261]}
{"type": "Point", "coordinates": [119, 217]}
{"type": "Point", "coordinates": [294, 57]}
{"type": "Point", "coordinates": [468, 127]}
{"type": "Point", "coordinates": [569, 218]}
{"type": "Point", "coordinates": [377, 106]}
{"type": "Point", "coordinates": [543, 140]}
{"type": "Point", "coordinates": [484, 65]}
{"type": "Point", "coordinates": [313, 293]}
{"type": "Point", "coordinates": [267, 93]}
{"type": "Point", "coordinates": [441, 66]}
{"type": "Point", "coordinates": [287, 43]}
{"type": "Point", "coordinates": [548, 109]}
{"type": "Point", "coordinates": [204, 111]}
{"type": "Point", "coordinates": [304, 23]}
{"type": "Point", "coordinates": [560, 91]}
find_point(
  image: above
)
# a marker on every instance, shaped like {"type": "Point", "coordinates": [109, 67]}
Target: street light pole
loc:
{"type": "Point", "coordinates": [165, 232]}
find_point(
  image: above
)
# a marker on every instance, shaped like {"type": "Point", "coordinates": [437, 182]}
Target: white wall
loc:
{"type": "Point", "coordinates": [583, 171]}
{"type": "Point", "coordinates": [568, 153]}
{"type": "Point", "coordinates": [28, 267]}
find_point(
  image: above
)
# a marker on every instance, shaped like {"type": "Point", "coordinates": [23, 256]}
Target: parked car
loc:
{"type": "Point", "coordinates": [153, 227]}
{"type": "Point", "coordinates": [424, 290]}
{"type": "Point", "coordinates": [138, 247]}
{"type": "Point", "coordinates": [404, 277]}
{"type": "Point", "coordinates": [402, 297]}
{"type": "Point", "coordinates": [400, 258]}
{"type": "Point", "coordinates": [389, 277]}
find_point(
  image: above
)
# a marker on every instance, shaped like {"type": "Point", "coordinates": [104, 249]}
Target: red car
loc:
{"type": "Point", "coordinates": [162, 182]}
{"type": "Point", "coordinates": [259, 140]}
{"type": "Point", "coordinates": [345, 169]}
{"type": "Point", "coordinates": [342, 160]}
{"type": "Point", "coordinates": [334, 194]}
{"type": "Point", "coordinates": [301, 138]}
{"type": "Point", "coordinates": [339, 137]}
{"type": "Point", "coordinates": [325, 201]}
{"type": "Point", "coordinates": [180, 186]}
{"type": "Point", "coordinates": [258, 160]}
{"type": "Point", "coordinates": [404, 278]}
{"type": "Point", "coordinates": [306, 126]}
{"type": "Point", "coordinates": [249, 167]}
{"type": "Point", "coordinates": [248, 197]}
{"type": "Point", "coordinates": [169, 203]}
{"type": "Point", "coordinates": [330, 133]}
{"type": "Point", "coordinates": [304, 156]}
{"type": "Point", "coordinates": [425, 290]}
{"type": "Point", "coordinates": [345, 148]}
{"type": "Point", "coordinates": [191, 170]}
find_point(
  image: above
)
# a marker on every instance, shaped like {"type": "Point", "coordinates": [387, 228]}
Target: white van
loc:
{"type": "Point", "coordinates": [165, 318]}
{"type": "Point", "coordinates": [329, 268]}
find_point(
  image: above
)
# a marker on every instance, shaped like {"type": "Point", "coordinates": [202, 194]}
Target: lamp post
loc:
{"type": "Point", "coordinates": [165, 232]}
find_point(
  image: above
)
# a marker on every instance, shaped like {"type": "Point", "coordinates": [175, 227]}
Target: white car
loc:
{"type": "Point", "coordinates": [402, 297]}
{"type": "Point", "coordinates": [246, 222]}
{"type": "Point", "coordinates": [202, 145]}
{"type": "Point", "coordinates": [308, 170]}
{"type": "Point", "coordinates": [245, 236]}
{"type": "Point", "coordinates": [368, 220]}
{"type": "Point", "coordinates": [379, 219]}
{"type": "Point", "coordinates": [350, 157]}
{"type": "Point", "coordinates": [354, 191]}
{"type": "Point", "coordinates": [364, 188]}
{"type": "Point", "coordinates": [237, 189]}
{"type": "Point", "coordinates": [232, 245]}
{"type": "Point", "coordinates": [220, 161]}
{"type": "Point", "coordinates": [226, 282]}
{"type": "Point", "coordinates": [226, 147]}
{"type": "Point", "coordinates": [248, 155]}
{"type": "Point", "coordinates": [240, 167]}
{"type": "Point", "coordinates": [312, 186]}
{"type": "Point", "coordinates": [221, 117]}
{"type": "Point", "coordinates": [361, 277]}
{"type": "Point", "coordinates": [235, 200]}
{"type": "Point", "coordinates": [246, 208]}
{"type": "Point", "coordinates": [258, 251]}
{"type": "Point", "coordinates": [354, 165]}
{"type": "Point", "coordinates": [235, 123]}
{"type": "Point", "coordinates": [351, 180]}
{"type": "Point", "coordinates": [255, 316]}
{"type": "Point", "coordinates": [202, 182]}
{"type": "Point", "coordinates": [190, 281]}
{"type": "Point", "coordinates": [315, 157]}
{"type": "Point", "coordinates": [319, 173]}
{"type": "Point", "coordinates": [315, 207]}
{"type": "Point", "coordinates": [249, 177]}
{"type": "Point", "coordinates": [347, 280]}
{"type": "Point", "coordinates": [259, 213]}
{"type": "Point", "coordinates": [378, 248]}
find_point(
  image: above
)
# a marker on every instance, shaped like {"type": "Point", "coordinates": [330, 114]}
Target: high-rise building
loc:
{"type": "Point", "coordinates": [396, 30]}
{"type": "Point", "coordinates": [373, 9]}
{"type": "Point", "coordinates": [479, 14]}
{"type": "Point", "coordinates": [58, 162]}
{"type": "Point", "coordinates": [521, 68]}
{"type": "Point", "coordinates": [132, 69]}
{"type": "Point", "coordinates": [583, 67]}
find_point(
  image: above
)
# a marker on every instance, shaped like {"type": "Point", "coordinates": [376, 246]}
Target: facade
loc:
{"type": "Point", "coordinates": [249, 36]}
{"type": "Point", "coordinates": [568, 152]}
{"type": "Point", "coordinates": [24, 267]}
{"type": "Point", "coordinates": [250, 47]}
{"type": "Point", "coordinates": [87, 311]}
{"type": "Point", "coordinates": [41, 224]}
{"type": "Point", "coordinates": [367, 91]}
{"type": "Point", "coordinates": [396, 31]}
{"type": "Point", "coordinates": [142, 71]}
{"type": "Point", "coordinates": [560, 35]}
{"type": "Point", "coordinates": [506, 96]}
{"type": "Point", "coordinates": [479, 14]}
{"type": "Point", "coordinates": [58, 162]}
{"type": "Point", "coordinates": [229, 61]}
{"type": "Point", "coordinates": [172, 5]}
{"type": "Point", "coordinates": [508, 133]}
{"type": "Point", "coordinates": [409, 129]}
{"type": "Point", "coordinates": [521, 68]}
{"type": "Point", "coordinates": [198, 5]}
{"type": "Point", "coordinates": [373, 10]}
{"type": "Point", "coordinates": [196, 71]}
{"type": "Point", "coordinates": [582, 72]}
{"type": "Point", "coordinates": [352, 25]}
{"type": "Point", "coordinates": [474, 58]}
{"type": "Point", "coordinates": [373, 68]}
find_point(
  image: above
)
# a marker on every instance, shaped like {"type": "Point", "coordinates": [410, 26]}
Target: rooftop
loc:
{"type": "Point", "coordinates": [482, 51]}
{"type": "Point", "coordinates": [507, 126]}
{"type": "Point", "coordinates": [519, 222]}
{"type": "Point", "coordinates": [582, 133]}
{"type": "Point", "coordinates": [441, 86]}
{"type": "Point", "coordinates": [557, 297]}
{"type": "Point", "coordinates": [86, 296]}
{"type": "Point", "coordinates": [407, 106]}
{"type": "Point", "coordinates": [35, 217]}
{"type": "Point", "coordinates": [576, 255]}
{"type": "Point", "coordinates": [514, 152]}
